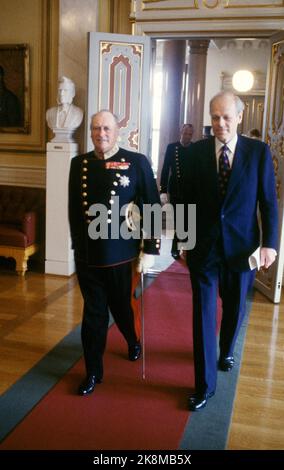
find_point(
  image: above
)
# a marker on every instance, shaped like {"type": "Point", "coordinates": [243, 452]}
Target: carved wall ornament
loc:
{"type": "Point", "coordinates": [278, 96]}
{"type": "Point", "coordinates": [216, 3]}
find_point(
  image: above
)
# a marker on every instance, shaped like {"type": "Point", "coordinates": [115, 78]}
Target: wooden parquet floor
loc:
{"type": "Point", "coordinates": [40, 310]}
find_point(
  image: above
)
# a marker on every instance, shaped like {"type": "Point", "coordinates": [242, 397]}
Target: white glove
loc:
{"type": "Point", "coordinates": [145, 262]}
{"type": "Point", "coordinates": [164, 198]}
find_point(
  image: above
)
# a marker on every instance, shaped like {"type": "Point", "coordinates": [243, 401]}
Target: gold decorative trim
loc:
{"type": "Point", "coordinates": [281, 41]}
{"type": "Point", "coordinates": [179, 34]}
{"type": "Point", "coordinates": [215, 5]}
{"type": "Point", "coordinates": [278, 106]}
{"type": "Point", "coordinates": [255, 6]}
{"type": "Point", "coordinates": [39, 89]}
{"type": "Point", "coordinates": [133, 45]}
{"type": "Point", "coordinates": [269, 121]}
{"type": "Point", "coordinates": [204, 33]}
{"type": "Point", "coordinates": [193, 7]}
{"type": "Point", "coordinates": [281, 2]}
{"type": "Point", "coordinates": [218, 3]}
{"type": "Point", "coordinates": [209, 18]}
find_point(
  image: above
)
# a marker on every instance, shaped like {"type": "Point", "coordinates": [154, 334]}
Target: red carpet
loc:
{"type": "Point", "coordinates": [125, 412]}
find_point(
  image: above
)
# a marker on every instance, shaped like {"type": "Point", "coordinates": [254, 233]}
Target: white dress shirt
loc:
{"type": "Point", "coordinates": [230, 152]}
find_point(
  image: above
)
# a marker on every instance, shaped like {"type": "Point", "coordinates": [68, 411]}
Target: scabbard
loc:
{"type": "Point", "coordinates": [142, 326]}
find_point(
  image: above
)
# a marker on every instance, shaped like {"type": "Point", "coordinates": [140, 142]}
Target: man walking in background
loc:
{"type": "Point", "coordinates": [172, 173]}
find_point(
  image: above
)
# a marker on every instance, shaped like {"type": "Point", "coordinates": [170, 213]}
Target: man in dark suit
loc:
{"type": "Point", "coordinates": [106, 182]}
{"type": "Point", "coordinates": [171, 175]}
{"type": "Point", "coordinates": [228, 177]}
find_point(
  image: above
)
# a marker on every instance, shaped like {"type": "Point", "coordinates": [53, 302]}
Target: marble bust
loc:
{"type": "Point", "coordinates": [65, 118]}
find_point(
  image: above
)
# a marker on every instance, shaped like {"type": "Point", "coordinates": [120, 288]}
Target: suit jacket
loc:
{"type": "Point", "coordinates": [235, 221]}
{"type": "Point", "coordinates": [172, 171]}
{"type": "Point", "coordinates": [127, 175]}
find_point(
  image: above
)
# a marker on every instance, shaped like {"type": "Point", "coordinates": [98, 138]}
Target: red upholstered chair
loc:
{"type": "Point", "coordinates": [18, 220]}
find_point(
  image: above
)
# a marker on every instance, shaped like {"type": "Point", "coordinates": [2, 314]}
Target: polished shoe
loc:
{"type": "Point", "coordinates": [198, 401]}
{"type": "Point", "coordinates": [88, 385]}
{"type": "Point", "coordinates": [134, 352]}
{"type": "Point", "coordinates": [175, 254]}
{"type": "Point", "coordinates": [226, 363]}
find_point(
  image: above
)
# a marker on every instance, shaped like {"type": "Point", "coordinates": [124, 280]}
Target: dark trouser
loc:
{"type": "Point", "coordinates": [104, 288]}
{"type": "Point", "coordinates": [175, 244]}
{"type": "Point", "coordinates": [233, 289]}
{"type": "Point", "coordinates": [174, 202]}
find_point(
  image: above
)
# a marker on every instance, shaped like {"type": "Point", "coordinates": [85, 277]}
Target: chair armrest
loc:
{"type": "Point", "coordinates": [29, 226]}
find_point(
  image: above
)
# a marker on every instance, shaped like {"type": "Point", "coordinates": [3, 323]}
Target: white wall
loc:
{"type": "Point", "coordinates": [77, 18]}
{"type": "Point", "coordinates": [229, 57]}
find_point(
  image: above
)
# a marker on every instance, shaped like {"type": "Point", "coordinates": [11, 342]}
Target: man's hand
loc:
{"type": "Point", "coordinates": [164, 198]}
{"type": "Point", "coordinates": [144, 262]}
{"type": "Point", "coordinates": [267, 257]}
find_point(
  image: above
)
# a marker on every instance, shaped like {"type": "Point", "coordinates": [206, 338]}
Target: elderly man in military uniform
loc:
{"type": "Point", "coordinates": [106, 265]}
{"type": "Point", "coordinates": [171, 175]}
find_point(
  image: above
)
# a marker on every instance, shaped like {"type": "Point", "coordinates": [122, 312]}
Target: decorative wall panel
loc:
{"type": "Point", "coordinates": [170, 5]}
{"type": "Point", "coordinates": [119, 81]}
{"type": "Point", "coordinates": [270, 282]}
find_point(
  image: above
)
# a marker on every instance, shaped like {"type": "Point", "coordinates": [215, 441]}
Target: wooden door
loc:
{"type": "Point", "coordinates": [119, 80]}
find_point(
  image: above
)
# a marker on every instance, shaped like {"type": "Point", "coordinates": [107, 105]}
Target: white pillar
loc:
{"type": "Point", "coordinates": [59, 255]}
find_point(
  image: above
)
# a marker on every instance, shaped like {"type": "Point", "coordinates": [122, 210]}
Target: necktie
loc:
{"type": "Point", "coordinates": [224, 171]}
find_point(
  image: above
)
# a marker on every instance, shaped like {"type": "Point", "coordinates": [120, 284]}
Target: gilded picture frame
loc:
{"type": "Point", "coordinates": [14, 89]}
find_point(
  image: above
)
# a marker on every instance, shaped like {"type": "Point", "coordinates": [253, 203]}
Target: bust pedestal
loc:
{"type": "Point", "coordinates": [63, 135]}
{"type": "Point", "coordinates": [59, 255]}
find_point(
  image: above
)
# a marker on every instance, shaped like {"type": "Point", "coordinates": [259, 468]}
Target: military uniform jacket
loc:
{"type": "Point", "coordinates": [113, 183]}
{"type": "Point", "coordinates": [171, 176]}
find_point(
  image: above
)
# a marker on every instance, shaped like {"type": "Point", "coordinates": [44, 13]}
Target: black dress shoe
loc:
{"type": "Point", "coordinates": [226, 363]}
{"type": "Point", "coordinates": [198, 401]}
{"type": "Point", "coordinates": [175, 254]}
{"type": "Point", "coordinates": [134, 352]}
{"type": "Point", "coordinates": [88, 385]}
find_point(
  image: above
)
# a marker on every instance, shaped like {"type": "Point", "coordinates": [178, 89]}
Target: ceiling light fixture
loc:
{"type": "Point", "coordinates": [243, 80]}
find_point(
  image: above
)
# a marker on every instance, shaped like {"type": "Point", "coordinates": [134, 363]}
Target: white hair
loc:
{"type": "Point", "coordinates": [229, 94]}
{"type": "Point", "coordinates": [104, 111]}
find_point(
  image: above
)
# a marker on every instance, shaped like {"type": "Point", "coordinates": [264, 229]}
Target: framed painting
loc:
{"type": "Point", "coordinates": [14, 89]}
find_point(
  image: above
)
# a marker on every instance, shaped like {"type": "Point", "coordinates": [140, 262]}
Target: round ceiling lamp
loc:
{"type": "Point", "coordinates": [243, 80]}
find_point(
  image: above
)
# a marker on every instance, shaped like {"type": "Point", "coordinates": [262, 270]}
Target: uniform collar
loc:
{"type": "Point", "coordinates": [110, 153]}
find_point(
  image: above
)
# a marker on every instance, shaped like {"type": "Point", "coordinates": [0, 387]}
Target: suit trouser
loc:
{"type": "Point", "coordinates": [233, 289]}
{"type": "Point", "coordinates": [103, 289]}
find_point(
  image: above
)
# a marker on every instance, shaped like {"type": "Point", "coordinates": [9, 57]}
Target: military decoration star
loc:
{"type": "Point", "coordinates": [124, 181]}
